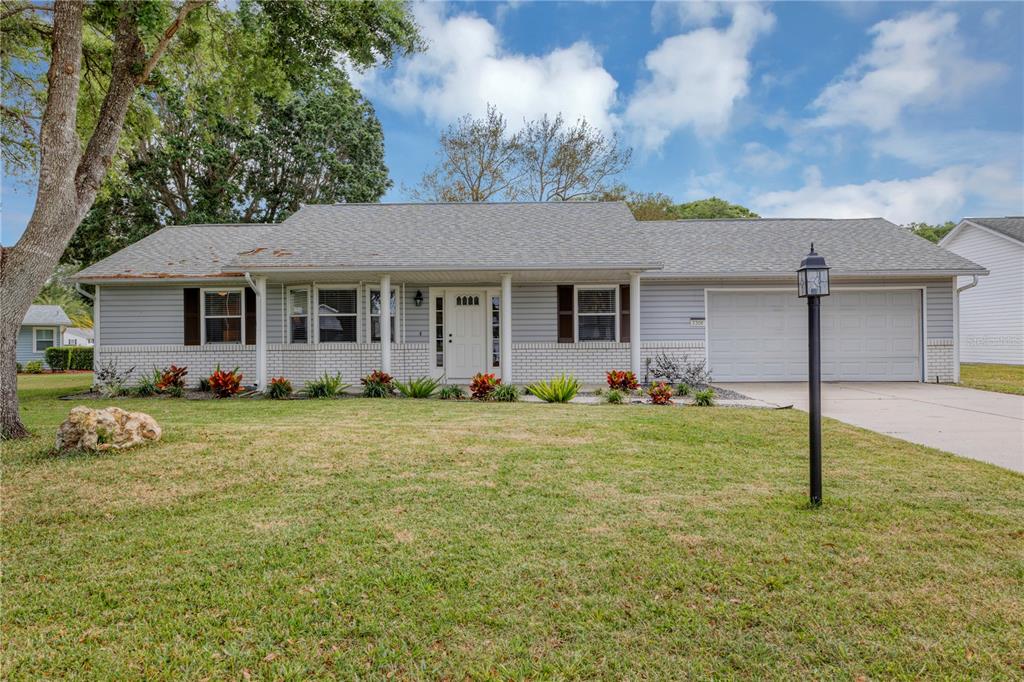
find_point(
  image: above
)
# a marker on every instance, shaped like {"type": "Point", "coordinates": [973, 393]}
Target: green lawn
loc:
{"type": "Point", "coordinates": [426, 539]}
{"type": "Point", "coordinates": [1001, 378]}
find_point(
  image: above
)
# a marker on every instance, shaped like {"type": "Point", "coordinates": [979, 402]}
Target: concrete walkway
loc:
{"type": "Point", "coordinates": [982, 425]}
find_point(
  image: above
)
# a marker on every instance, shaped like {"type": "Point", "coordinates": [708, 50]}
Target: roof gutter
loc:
{"type": "Point", "coordinates": [83, 292]}
{"type": "Point", "coordinates": [974, 283]}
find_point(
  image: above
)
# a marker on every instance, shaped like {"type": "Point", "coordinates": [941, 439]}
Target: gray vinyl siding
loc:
{"type": "Point", "coordinates": [141, 314]}
{"type": "Point", "coordinates": [25, 352]}
{"type": "Point", "coordinates": [417, 320]}
{"type": "Point", "coordinates": [535, 314]}
{"type": "Point", "coordinates": [275, 312]}
{"type": "Point", "coordinates": [940, 310]}
{"type": "Point", "coordinates": [666, 309]}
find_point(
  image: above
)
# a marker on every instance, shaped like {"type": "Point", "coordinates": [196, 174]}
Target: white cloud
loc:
{"type": "Point", "coordinates": [465, 68]}
{"type": "Point", "coordinates": [992, 18]}
{"type": "Point", "coordinates": [668, 13]}
{"type": "Point", "coordinates": [696, 78]}
{"type": "Point", "coordinates": [933, 198]}
{"type": "Point", "coordinates": [935, 149]}
{"type": "Point", "coordinates": [763, 159]}
{"type": "Point", "coordinates": [917, 59]}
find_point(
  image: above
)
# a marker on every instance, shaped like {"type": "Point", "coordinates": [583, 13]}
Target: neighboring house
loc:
{"type": "Point", "coordinates": [77, 336]}
{"type": "Point", "coordinates": [991, 313]}
{"type": "Point", "coordinates": [41, 329]}
{"type": "Point", "coordinates": [528, 290]}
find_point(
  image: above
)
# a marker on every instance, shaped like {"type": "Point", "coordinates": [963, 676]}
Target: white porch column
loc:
{"type": "Point", "coordinates": [506, 329]}
{"type": "Point", "coordinates": [385, 323]}
{"type": "Point", "coordinates": [261, 332]}
{"type": "Point", "coordinates": [634, 324]}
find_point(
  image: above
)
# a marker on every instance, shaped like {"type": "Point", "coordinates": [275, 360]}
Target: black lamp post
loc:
{"type": "Point", "coordinates": [812, 284]}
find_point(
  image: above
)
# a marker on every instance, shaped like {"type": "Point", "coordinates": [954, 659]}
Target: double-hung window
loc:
{"type": "Point", "coordinates": [43, 338]}
{"type": "Point", "coordinates": [298, 315]}
{"type": "Point", "coordinates": [375, 315]}
{"type": "Point", "coordinates": [596, 314]}
{"type": "Point", "coordinates": [222, 316]}
{"type": "Point", "coordinates": [337, 315]}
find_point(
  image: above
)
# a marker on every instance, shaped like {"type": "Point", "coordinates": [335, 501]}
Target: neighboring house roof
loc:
{"type": "Point", "coordinates": [1012, 227]}
{"type": "Point", "coordinates": [771, 247]}
{"type": "Point", "coordinates": [42, 315]}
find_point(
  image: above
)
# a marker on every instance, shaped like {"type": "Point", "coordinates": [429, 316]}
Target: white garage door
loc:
{"type": "Point", "coordinates": [865, 336]}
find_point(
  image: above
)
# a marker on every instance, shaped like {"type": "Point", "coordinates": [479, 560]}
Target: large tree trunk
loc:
{"type": "Point", "coordinates": [68, 180]}
{"type": "Point", "coordinates": [25, 267]}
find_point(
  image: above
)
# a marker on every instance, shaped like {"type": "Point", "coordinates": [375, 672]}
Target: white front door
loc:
{"type": "Point", "coordinates": [466, 332]}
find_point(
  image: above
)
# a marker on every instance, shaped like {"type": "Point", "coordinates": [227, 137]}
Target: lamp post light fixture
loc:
{"type": "Point", "coordinates": [812, 284]}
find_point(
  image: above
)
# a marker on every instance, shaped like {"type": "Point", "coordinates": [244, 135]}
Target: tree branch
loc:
{"type": "Point", "coordinates": [161, 46]}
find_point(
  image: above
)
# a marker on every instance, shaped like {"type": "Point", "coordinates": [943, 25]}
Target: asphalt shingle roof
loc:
{"type": "Point", "coordinates": [46, 314]}
{"type": "Point", "coordinates": [522, 236]}
{"type": "Point", "coordinates": [180, 251]}
{"type": "Point", "coordinates": [770, 246]}
{"type": "Point", "coordinates": [480, 236]}
{"type": "Point", "coordinates": [1012, 226]}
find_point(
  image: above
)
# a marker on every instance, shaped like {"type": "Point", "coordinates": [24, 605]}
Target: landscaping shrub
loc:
{"type": "Point", "coordinates": [109, 381]}
{"type": "Point", "coordinates": [171, 377]}
{"type": "Point", "coordinates": [704, 398]}
{"type": "Point", "coordinates": [660, 393]}
{"type": "Point", "coordinates": [451, 392]}
{"type": "Point", "coordinates": [683, 389]}
{"type": "Point", "coordinates": [146, 385]}
{"type": "Point", "coordinates": [506, 393]}
{"type": "Point", "coordinates": [18, 368]}
{"type": "Point", "coordinates": [378, 384]}
{"type": "Point", "coordinates": [204, 384]}
{"type": "Point", "coordinates": [482, 385]}
{"type": "Point", "coordinates": [622, 380]}
{"type": "Point", "coordinates": [279, 388]}
{"type": "Point", "coordinates": [561, 389]}
{"type": "Point", "coordinates": [225, 384]}
{"type": "Point", "coordinates": [327, 386]}
{"type": "Point", "coordinates": [423, 387]}
{"type": "Point", "coordinates": [61, 358]}
{"type": "Point", "coordinates": [175, 391]}
{"type": "Point", "coordinates": [34, 367]}
{"type": "Point", "coordinates": [614, 396]}
{"type": "Point", "coordinates": [664, 368]}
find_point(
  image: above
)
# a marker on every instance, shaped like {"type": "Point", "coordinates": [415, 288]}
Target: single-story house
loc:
{"type": "Point", "coordinates": [526, 290]}
{"type": "Point", "coordinates": [991, 312]}
{"type": "Point", "coordinates": [77, 336]}
{"type": "Point", "coordinates": [41, 329]}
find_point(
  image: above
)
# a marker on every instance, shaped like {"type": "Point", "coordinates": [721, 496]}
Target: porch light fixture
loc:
{"type": "Point", "coordinates": [812, 284]}
{"type": "Point", "coordinates": [418, 298]}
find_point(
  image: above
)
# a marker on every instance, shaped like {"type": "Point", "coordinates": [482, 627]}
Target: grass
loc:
{"type": "Point", "coordinates": [433, 539]}
{"type": "Point", "coordinates": [1000, 378]}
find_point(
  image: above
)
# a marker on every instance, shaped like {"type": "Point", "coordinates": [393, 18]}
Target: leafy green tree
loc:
{"type": "Point", "coordinates": [81, 121]}
{"type": "Point", "coordinates": [59, 290]}
{"type": "Point", "coordinates": [933, 233]}
{"type": "Point", "coordinates": [658, 206]}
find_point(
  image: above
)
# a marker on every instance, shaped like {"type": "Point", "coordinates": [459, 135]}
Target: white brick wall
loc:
{"type": "Point", "coordinates": [200, 360]}
{"type": "Point", "coordinates": [591, 360]}
{"type": "Point", "coordinates": [940, 361]}
{"type": "Point", "coordinates": [296, 363]}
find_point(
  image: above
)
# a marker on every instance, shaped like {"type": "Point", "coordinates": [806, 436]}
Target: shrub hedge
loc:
{"type": "Point", "coordinates": [60, 358]}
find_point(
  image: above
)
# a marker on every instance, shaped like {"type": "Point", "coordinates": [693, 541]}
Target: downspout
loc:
{"type": "Point", "coordinates": [956, 324]}
{"type": "Point", "coordinates": [83, 292]}
{"type": "Point", "coordinates": [974, 283]}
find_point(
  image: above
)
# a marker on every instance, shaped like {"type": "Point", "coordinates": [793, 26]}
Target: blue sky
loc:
{"type": "Point", "coordinates": [911, 111]}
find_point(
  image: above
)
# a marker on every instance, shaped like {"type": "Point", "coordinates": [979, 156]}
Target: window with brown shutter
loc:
{"type": "Point", "coordinates": [624, 313]}
{"type": "Point", "coordinates": [565, 314]}
{"type": "Point", "coordinates": [191, 334]}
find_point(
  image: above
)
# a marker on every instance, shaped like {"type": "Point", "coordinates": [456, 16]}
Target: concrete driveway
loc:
{"type": "Point", "coordinates": [979, 424]}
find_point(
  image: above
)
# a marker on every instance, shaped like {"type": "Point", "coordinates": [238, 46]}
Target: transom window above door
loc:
{"type": "Point", "coordinates": [596, 313]}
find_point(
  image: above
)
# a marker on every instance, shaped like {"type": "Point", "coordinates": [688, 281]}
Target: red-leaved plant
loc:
{"type": "Point", "coordinates": [661, 393]}
{"type": "Point", "coordinates": [172, 377]}
{"type": "Point", "coordinates": [622, 381]}
{"type": "Point", "coordinates": [225, 384]}
{"type": "Point", "coordinates": [377, 377]}
{"type": "Point", "coordinates": [483, 385]}
{"type": "Point", "coordinates": [378, 384]}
